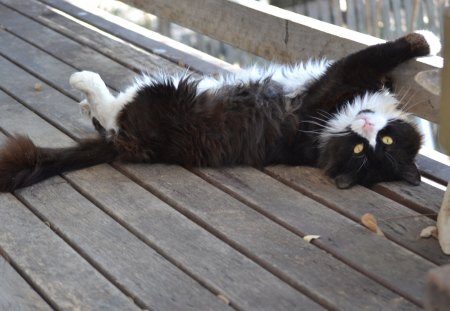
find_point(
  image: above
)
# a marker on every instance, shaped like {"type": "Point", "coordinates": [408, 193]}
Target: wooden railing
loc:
{"type": "Point", "coordinates": [283, 36]}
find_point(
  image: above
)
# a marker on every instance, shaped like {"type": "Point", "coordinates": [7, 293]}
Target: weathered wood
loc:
{"type": "Point", "coordinates": [276, 34]}
{"type": "Point", "coordinates": [433, 169]}
{"type": "Point", "coordinates": [272, 246]}
{"type": "Point", "coordinates": [443, 222]}
{"type": "Point", "coordinates": [398, 222]}
{"type": "Point", "coordinates": [146, 39]}
{"type": "Point", "coordinates": [82, 57]}
{"type": "Point", "coordinates": [15, 293]}
{"type": "Point", "coordinates": [59, 273]}
{"type": "Point", "coordinates": [444, 129]}
{"type": "Point", "coordinates": [16, 119]}
{"type": "Point", "coordinates": [65, 113]}
{"type": "Point", "coordinates": [86, 47]}
{"type": "Point", "coordinates": [438, 289]}
{"type": "Point", "coordinates": [141, 272]}
{"type": "Point", "coordinates": [339, 236]}
{"type": "Point", "coordinates": [424, 198]}
{"type": "Point", "coordinates": [240, 280]}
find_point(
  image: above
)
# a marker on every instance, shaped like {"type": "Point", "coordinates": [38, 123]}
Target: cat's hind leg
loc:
{"type": "Point", "coordinates": [100, 104]}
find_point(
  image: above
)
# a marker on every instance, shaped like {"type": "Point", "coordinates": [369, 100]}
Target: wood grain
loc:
{"type": "Point", "coordinates": [434, 170]}
{"type": "Point", "coordinates": [277, 249]}
{"type": "Point", "coordinates": [162, 48]}
{"type": "Point", "coordinates": [398, 222]}
{"type": "Point", "coordinates": [348, 241]}
{"type": "Point", "coordinates": [15, 293]}
{"type": "Point", "coordinates": [244, 283]}
{"type": "Point", "coordinates": [424, 198]}
{"type": "Point", "coordinates": [141, 272]}
{"type": "Point", "coordinates": [54, 268]}
{"type": "Point", "coordinates": [64, 114]}
{"type": "Point", "coordinates": [31, 36]}
{"type": "Point", "coordinates": [444, 130]}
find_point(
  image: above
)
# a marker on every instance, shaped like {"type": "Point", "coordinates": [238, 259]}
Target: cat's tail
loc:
{"type": "Point", "coordinates": [23, 164]}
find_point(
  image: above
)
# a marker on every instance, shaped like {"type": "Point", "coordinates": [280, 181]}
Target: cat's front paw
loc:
{"type": "Point", "coordinates": [86, 81]}
{"type": "Point", "coordinates": [434, 43]}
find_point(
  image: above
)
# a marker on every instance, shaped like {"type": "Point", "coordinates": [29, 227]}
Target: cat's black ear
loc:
{"type": "Point", "coordinates": [345, 181]}
{"type": "Point", "coordinates": [410, 173]}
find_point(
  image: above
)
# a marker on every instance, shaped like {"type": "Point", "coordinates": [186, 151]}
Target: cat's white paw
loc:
{"type": "Point", "coordinates": [433, 41]}
{"type": "Point", "coordinates": [86, 81]}
{"type": "Point", "coordinates": [85, 108]}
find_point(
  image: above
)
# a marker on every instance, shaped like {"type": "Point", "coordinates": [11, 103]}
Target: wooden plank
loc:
{"type": "Point", "coordinates": [64, 278]}
{"type": "Point", "coordinates": [16, 293]}
{"type": "Point", "coordinates": [444, 129]}
{"type": "Point", "coordinates": [339, 236]}
{"type": "Point", "coordinates": [424, 198]}
{"type": "Point", "coordinates": [17, 50]}
{"type": "Point", "coordinates": [67, 114]}
{"type": "Point", "coordinates": [140, 37]}
{"type": "Point", "coordinates": [433, 169]}
{"type": "Point", "coordinates": [15, 118]}
{"type": "Point", "coordinates": [83, 50]}
{"type": "Point", "coordinates": [276, 34]}
{"type": "Point", "coordinates": [146, 276]}
{"type": "Point", "coordinates": [240, 280]}
{"type": "Point", "coordinates": [275, 248]}
{"type": "Point", "coordinates": [399, 223]}
{"type": "Point", "coordinates": [82, 57]}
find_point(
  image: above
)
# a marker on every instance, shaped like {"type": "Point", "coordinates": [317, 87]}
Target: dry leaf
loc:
{"type": "Point", "coordinates": [223, 298]}
{"type": "Point", "coordinates": [430, 231]}
{"type": "Point", "coordinates": [371, 223]}
{"type": "Point", "coordinates": [310, 237]}
{"type": "Point", "coordinates": [38, 87]}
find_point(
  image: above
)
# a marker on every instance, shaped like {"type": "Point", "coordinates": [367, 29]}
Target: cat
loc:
{"type": "Point", "coordinates": [336, 115]}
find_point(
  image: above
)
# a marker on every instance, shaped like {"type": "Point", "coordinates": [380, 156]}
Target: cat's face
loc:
{"type": "Point", "coordinates": [370, 141]}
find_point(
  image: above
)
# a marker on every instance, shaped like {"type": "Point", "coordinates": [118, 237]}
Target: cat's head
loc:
{"type": "Point", "coordinates": [370, 140]}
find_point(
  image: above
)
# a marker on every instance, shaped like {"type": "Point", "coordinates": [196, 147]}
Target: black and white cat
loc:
{"type": "Point", "coordinates": [339, 116]}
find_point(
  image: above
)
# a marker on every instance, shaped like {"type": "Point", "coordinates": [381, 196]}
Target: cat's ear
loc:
{"type": "Point", "coordinates": [410, 173]}
{"type": "Point", "coordinates": [345, 181]}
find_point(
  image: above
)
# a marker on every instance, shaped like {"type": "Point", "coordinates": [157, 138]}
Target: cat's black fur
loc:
{"type": "Point", "coordinates": [248, 124]}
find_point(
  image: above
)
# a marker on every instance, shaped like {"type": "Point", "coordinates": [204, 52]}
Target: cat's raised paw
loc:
{"type": "Point", "coordinates": [433, 41]}
{"type": "Point", "coordinates": [86, 81]}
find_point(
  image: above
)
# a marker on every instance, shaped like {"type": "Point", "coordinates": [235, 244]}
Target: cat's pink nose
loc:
{"type": "Point", "coordinates": [367, 124]}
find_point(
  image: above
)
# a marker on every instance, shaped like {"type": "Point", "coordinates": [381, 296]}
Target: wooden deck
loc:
{"type": "Point", "coordinates": [157, 237]}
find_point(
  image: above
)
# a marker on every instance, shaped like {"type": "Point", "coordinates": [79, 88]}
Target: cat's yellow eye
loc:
{"type": "Point", "coordinates": [387, 140]}
{"type": "Point", "coordinates": [358, 148]}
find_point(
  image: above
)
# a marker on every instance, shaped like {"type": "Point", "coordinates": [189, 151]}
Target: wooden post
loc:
{"type": "Point", "coordinates": [443, 221]}
{"type": "Point", "coordinates": [438, 283]}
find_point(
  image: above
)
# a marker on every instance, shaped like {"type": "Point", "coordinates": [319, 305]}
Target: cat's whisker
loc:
{"type": "Point", "coordinates": [314, 123]}
{"type": "Point", "coordinates": [406, 104]}
{"type": "Point", "coordinates": [410, 107]}
{"type": "Point", "coordinates": [362, 165]}
{"type": "Point", "coordinates": [392, 160]}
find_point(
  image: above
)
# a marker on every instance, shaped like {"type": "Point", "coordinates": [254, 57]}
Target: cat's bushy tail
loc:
{"type": "Point", "coordinates": [23, 164]}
